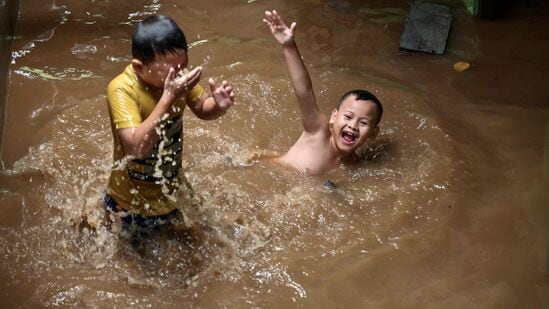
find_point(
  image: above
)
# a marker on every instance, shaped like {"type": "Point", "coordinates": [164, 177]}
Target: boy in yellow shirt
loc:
{"type": "Point", "coordinates": [146, 104]}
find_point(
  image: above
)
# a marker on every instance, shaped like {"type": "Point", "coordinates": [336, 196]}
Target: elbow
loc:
{"type": "Point", "coordinates": [137, 146]}
{"type": "Point", "coordinates": [304, 93]}
{"type": "Point", "coordinates": [142, 152]}
{"type": "Point", "coordinates": [304, 90]}
{"type": "Point", "coordinates": [138, 153]}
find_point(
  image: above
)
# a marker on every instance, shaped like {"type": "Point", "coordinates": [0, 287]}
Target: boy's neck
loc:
{"type": "Point", "coordinates": [337, 155]}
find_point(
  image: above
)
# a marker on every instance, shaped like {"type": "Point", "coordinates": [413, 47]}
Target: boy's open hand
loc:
{"type": "Point", "coordinates": [280, 31]}
{"type": "Point", "coordinates": [223, 94]}
{"type": "Point", "coordinates": [177, 85]}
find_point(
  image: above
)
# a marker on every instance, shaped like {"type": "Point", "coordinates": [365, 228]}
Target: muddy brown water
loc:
{"type": "Point", "coordinates": [451, 209]}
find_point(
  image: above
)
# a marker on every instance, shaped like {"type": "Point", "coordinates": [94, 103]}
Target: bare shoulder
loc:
{"type": "Point", "coordinates": [311, 152]}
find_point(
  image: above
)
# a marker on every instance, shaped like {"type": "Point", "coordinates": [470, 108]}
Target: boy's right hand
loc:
{"type": "Point", "coordinates": [280, 31]}
{"type": "Point", "coordinates": [176, 85]}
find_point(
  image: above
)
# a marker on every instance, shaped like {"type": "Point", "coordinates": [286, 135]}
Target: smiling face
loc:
{"type": "Point", "coordinates": [353, 123]}
{"type": "Point", "coordinates": [154, 73]}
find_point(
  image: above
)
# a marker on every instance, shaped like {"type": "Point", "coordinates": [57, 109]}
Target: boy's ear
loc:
{"type": "Point", "coordinates": [333, 117]}
{"type": "Point", "coordinates": [137, 65]}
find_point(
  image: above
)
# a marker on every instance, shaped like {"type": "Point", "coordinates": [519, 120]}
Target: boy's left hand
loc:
{"type": "Point", "coordinates": [281, 32]}
{"type": "Point", "coordinates": [223, 94]}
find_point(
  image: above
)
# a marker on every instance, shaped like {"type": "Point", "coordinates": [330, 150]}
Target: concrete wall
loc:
{"type": "Point", "coordinates": [9, 13]}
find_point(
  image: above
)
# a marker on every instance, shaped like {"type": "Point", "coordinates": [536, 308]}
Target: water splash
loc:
{"type": "Point", "coordinates": [48, 73]}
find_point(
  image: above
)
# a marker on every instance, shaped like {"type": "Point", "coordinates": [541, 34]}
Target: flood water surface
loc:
{"type": "Point", "coordinates": [448, 209]}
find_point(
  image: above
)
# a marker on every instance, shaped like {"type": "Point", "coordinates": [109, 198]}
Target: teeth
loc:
{"type": "Point", "coordinates": [349, 136]}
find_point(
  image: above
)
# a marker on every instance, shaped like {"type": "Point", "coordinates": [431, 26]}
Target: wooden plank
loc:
{"type": "Point", "coordinates": [426, 28]}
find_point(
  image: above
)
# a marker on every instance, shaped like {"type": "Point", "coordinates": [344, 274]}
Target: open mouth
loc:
{"type": "Point", "coordinates": [348, 137]}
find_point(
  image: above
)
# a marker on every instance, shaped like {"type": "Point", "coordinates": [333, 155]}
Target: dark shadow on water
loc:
{"type": "Point", "coordinates": [161, 257]}
{"type": "Point", "coordinates": [151, 257]}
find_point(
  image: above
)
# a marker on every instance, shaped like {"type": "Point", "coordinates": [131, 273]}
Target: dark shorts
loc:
{"type": "Point", "coordinates": [134, 220]}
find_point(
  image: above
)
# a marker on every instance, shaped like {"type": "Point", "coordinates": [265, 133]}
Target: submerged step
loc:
{"type": "Point", "coordinates": [426, 29]}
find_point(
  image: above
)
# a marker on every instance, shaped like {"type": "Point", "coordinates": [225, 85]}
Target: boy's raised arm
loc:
{"type": "Point", "coordinates": [301, 81]}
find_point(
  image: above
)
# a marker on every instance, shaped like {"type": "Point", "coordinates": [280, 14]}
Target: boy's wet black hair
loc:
{"type": "Point", "coordinates": [364, 95]}
{"type": "Point", "coordinates": [157, 34]}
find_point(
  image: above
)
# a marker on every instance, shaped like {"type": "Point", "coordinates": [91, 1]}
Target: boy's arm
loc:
{"type": "Point", "coordinates": [214, 106]}
{"type": "Point", "coordinates": [311, 116]}
{"type": "Point", "coordinates": [140, 141]}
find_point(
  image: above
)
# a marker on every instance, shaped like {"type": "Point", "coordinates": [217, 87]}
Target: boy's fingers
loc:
{"type": "Point", "coordinates": [292, 26]}
{"type": "Point", "coordinates": [211, 81]}
{"type": "Point", "coordinates": [197, 70]}
{"type": "Point", "coordinates": [171, 73]}
{"type": "Point", "coordinates": [169, 77]}
{"type": "Point", "coordinates": [195, 73]}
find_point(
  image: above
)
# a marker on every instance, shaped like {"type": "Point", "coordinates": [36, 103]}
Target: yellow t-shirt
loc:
{"type": "Point", "coordinates": [148, 186]}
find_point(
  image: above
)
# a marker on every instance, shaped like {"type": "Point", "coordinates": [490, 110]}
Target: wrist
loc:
{"type": "Point", "coordinates": [167, 98]}
{"type": "Point", "coordinates": [289, 44]}
{"type": "Point", "coordinates": [222, 108]}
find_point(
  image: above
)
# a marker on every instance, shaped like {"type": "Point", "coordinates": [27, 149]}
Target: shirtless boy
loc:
{"type": "Point", "coordinates": [325, 143]}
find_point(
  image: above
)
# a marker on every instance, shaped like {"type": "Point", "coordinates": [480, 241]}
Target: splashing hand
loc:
{"type": "Point", "coordinates": [223, 94]}
{"type": "Point", "coordinates": [282, 33]}
{"type": "Point", "coordinates": [177, 85]}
